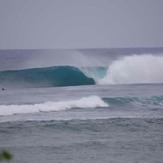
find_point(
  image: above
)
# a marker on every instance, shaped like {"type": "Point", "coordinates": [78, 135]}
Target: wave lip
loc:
{"type": "Point", "coordinates": [145, 68]}
{"type": "Point", "coordinates": [45, 77]}
{"type": "Point", "coordinates": [85, 102]}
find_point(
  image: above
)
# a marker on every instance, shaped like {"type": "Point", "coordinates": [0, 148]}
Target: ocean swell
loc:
{"type": "Point", "coordinates": [154, 101]}
{"type": "Point", "coordinates": [131, 69]}
{"type": "Point", "coordinates": [93, 101]}
{"type": "Point", "coordinates": [45, 77]}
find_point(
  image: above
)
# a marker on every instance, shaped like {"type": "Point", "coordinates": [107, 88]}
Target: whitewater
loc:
{"type": "Point", "coordinates": [135, 69]}
{"type": "Point", "coordinates": [85, 102]}
{"type": "Point", "coordinates": [92, 105]}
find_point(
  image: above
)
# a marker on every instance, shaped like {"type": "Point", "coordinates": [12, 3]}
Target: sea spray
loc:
{"type": "Point", "coordinates": [145, 68]}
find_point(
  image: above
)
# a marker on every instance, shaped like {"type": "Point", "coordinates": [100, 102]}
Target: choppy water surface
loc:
{"type": "Point", "coordinates": [88, 113]}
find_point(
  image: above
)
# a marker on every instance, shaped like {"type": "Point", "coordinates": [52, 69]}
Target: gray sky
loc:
{"type": "Point", "coordinates": [30, 24]}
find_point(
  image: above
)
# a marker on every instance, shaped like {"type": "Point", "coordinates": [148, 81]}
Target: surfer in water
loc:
{"type": "Point", "coordinates": [3, 89]}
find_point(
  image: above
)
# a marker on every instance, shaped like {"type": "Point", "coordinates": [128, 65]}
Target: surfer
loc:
{"type": "Point", "coordinates": [3, 89]}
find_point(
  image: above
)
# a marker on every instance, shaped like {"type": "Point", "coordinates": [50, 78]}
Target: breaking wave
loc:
{"type": "Point", "coordinates": [45, 77]}
{"type": "Point", "coordinates": [135, 69]}
{"type": "Point", "coordinates": [145, 68]}
{"type": "Point", "coordinates": [85, 102]}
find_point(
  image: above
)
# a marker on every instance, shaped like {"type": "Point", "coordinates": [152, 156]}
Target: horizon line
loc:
{"type": "Point", "coordinates": [159, 47]}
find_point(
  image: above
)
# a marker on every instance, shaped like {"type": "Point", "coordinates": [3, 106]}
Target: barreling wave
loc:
{"type": "Point", "coordinates": [146, 68]}
{"type": "Point", "coordinates": [46, 77]}
{"type": "Point", "coordinates": [133, 69]}
{"type": "Point", "coordinates": [84, 102]}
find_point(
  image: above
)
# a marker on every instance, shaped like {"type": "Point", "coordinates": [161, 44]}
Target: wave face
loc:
{"type": "Point", "coordinates": [46, 77]}
{"type": "Point", "coordinates": [85, 102]}
{"type": "Point", "coordinates": [96, 73]}
{"type": "Point", "coordinates": [154, 101]}
{"type": "Point", "coordinates": [135, 69]}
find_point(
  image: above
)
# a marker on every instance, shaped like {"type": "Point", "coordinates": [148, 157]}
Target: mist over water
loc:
{"type": "Point", "coordinates": [145, 68]}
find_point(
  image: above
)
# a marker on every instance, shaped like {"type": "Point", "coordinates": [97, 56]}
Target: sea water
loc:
{"type": "Point", "coordinates": [109, 109]}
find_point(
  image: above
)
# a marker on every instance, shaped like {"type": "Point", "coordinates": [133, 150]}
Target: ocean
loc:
{"type": "Point", "coordinates": [85, 105]}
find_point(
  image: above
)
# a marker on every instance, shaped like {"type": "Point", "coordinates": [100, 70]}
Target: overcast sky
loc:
{"type": "Point", "coordinates": [35, 24]}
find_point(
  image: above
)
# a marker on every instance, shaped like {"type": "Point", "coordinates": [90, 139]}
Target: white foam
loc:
{"type": "Point", "coordinates": [84, 102]}
{"type": "Point", "coordinates": [135, 69]}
